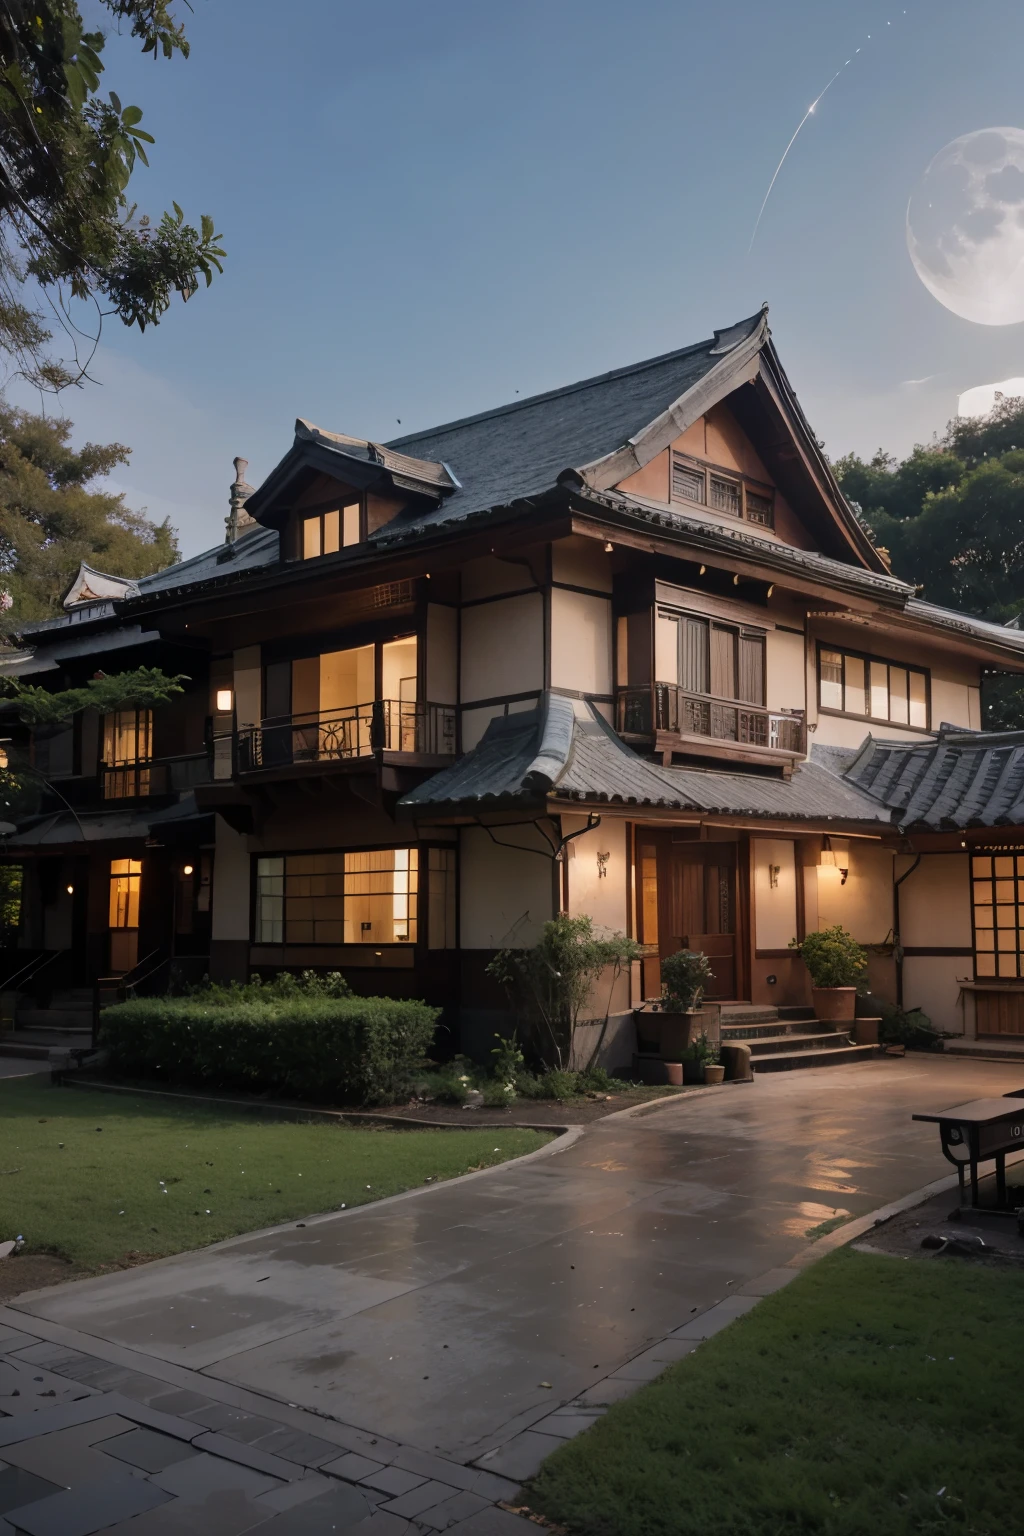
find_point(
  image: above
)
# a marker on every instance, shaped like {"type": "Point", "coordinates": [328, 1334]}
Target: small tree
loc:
{"type": "Point", "coordinates": [145, 688]}
{"type": "Point", "coordinates": [550, 983]}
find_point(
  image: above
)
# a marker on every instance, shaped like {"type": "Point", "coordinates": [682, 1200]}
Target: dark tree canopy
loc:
{"type": "Point", "coordinates": [51, 520]}
{"type": "Point", "coordinates": [952, 518]}
{"type": "Point", "coordinates": [66, 156]}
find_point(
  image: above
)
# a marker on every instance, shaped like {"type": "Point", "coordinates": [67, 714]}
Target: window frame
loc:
{"type": "Point", "coordinates": [975, 879]}
{"type": "Point", "coordinates": [422, 944]}
{"type": "Point", "coordinates": [868, 658]}
{"type": "Point", "coordinates": [738, 629]}
{"type": "Point", "coordinates": [709, 472]}
{"type": "Point", "coordinates": [319, 513]}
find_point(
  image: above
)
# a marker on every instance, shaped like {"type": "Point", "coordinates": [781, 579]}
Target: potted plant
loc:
{"type": "Point", "coordinates": [836, 962]}
{"type": "Point", "coordinates": [684, 976]}
{"type": "Point", "coordinates": [697, 1057]}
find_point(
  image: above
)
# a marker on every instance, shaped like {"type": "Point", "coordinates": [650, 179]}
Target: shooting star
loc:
{"type": "Point", "coordinates": [808, 114]}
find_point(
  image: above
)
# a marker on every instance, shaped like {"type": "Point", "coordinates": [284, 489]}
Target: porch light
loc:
{"type": "Point", "coordinates": [835, 854]}
{"type": "Point", "coordinates": [702, 570]}
{"type": "Point", "coordinates": [736, 579]}
{"type": "Point", "coordinates": [771, 589]}
{"type": "Point", "coordinates": [70, 890]}
{"type": "Point", "coordinates": [224, 701]}
{"type": "Point", "coordinates": [608, 548]}
{"type": "Point", "coordinates": [187, 869]}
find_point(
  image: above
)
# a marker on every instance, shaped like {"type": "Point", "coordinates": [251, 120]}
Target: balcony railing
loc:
{"type": "Point", "coordinates": [664, 707]}
{"type": "Point", "coordinates": [154, 776]}
{"type": "Point", "coordinates": [385, 725]}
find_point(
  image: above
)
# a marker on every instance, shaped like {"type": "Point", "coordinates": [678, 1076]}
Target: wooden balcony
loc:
{"type": "Point", "coordinates": [407, 733]}
{"type": "Point", "coordinates": [149, 777]}
{"type": "Point", "coordinates": [674, 721]}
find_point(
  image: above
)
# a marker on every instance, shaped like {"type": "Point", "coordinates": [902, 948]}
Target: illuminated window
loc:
{"type": "Point", "coordinates": [125, 881]}
{"type": "Point", "coordinates": [997, 899]}
{"type": "Point", "coordinates": [127, 750]}
{"type": "Point", "coordinates": [850, 684]}
{"type": "Point", "coordinates": [324, 533]}
{"type": "Point", "coordinates": [339, 898]}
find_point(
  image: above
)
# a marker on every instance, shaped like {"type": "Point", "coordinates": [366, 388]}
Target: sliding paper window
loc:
{"type": "Point", "coordinates": [997, 891]}
{"type": "Point", "coordinates": [338, 898]}
{"type": "Point", "coordinates": [881, 690]}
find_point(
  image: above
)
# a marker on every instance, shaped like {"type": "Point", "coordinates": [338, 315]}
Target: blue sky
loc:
{"type": "Point", "coordinates": [431, 204]}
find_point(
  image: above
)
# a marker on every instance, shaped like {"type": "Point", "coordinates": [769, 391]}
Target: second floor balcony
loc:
{"type": "Point", "coordinates": [674, 720]}
{"type": "Point", "coordinates": [411, 732]}
{"type": "Point", "coordinates": [146, 778]}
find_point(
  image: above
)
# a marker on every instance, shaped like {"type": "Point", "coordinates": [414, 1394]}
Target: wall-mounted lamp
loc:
{"type": "Point", "coordinates": [736, 579]}
{"type": "Point", "coordinates": [608, 548]}
{"type": "Point", "coordinates": [702, 570]}
{"type": "Point", "coordinates": [602, 865]}
{"type": "Point", "coordinates": [187, 870]}
{"type": "Point", "coordinates": [771, 589]}
{"type": "Point", "coordinates": [70, 890]}
{"type": "Point", "coordinates": [835, 854]}
{"type": "Point", "coordinates": [774, 871]}
{"type": "Point", "coordinates": [225, 700]}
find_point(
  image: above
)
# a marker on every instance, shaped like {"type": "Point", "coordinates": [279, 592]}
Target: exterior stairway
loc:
{"type": "Point", "coordinates": [65, 1025]}
{"type": "Point", "coordinates": [784, 1038]}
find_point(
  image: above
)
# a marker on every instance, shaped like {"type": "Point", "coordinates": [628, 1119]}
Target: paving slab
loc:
{"type": "Point", "coordinates": [147, 1449]}
{"type": "Point", "coordinates": [18, 1487]}
{"type": "Point", "coordinates": [334, 1513]}
{"type": "Point", "coordinates": [81, 1511]}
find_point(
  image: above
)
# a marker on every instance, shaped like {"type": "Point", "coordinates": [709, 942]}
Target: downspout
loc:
{"type": "Point", "coordinates": [897, 941]}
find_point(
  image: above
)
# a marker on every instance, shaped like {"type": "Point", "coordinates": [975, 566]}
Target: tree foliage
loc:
{"type": "Point", "coordinates": [51, 519]}
{"type": "Point", "coordinates": [67, 153]}
{"type": "Point", "coordinates": [952, 518]}
{"type": "Point", "coordinates": [145, 688]}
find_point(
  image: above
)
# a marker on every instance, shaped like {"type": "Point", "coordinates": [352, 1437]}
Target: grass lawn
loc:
{"type": "Point", "coordinates": [871, 1397]}
{"type": "Point", "coordinates": [95, 1177]}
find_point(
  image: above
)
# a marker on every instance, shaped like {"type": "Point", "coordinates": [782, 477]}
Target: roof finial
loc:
{"type": "Point", "coordinates": [238, 520]}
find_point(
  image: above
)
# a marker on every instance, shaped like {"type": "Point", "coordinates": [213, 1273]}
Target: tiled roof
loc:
{"type": "Point", "coordinates": [553, 751]}
{"type": "Point", "coordinates": [960, 779]}
{"type": "Point", "coordinates": [519, 450]}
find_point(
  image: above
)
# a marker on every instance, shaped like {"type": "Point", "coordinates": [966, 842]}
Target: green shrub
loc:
{"type": "Point", "coordinates": [447, 1086]}
{"type": "Point", "coordinates": [833, 957]}
{"type": "Point", "coordinates": [498, 1095]}
{"type": "Point", "coordinates": [303, 1041]}
{"type": "Point", "coordinates": [684, 977]}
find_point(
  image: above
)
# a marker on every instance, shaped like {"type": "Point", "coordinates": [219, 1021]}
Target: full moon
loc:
{"type": "Point", "coordinates": [965, 226]}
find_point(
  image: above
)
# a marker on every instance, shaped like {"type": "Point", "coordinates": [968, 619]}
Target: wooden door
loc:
{"type": "Point", "coordinates": [697, 908]}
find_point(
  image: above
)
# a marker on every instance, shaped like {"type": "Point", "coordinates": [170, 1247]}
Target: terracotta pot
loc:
{"type": "Point", "coordinates": [834, 1005]}
{"type": "Point", "coordinates": [865, 1031]}
{"type": "Point", "coordinates": [714, 1072]}
{"type": "Point", "coordinates": [674, 1069]}
{"type": "Point", "coordinates": [676, 1031]}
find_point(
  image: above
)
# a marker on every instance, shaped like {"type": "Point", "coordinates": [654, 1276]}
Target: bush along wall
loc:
{"type": "Point", "coordinates": [356, 1050]}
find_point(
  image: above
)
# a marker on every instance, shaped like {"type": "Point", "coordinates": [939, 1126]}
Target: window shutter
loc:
{"type": "Point", "coordinates": [695, 655]}
{"type": "Point", "coordinates": [752, 669]}
{"type": "Point", "coordinates": [723, 662]}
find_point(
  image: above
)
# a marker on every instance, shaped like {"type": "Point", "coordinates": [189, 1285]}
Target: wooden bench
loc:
{"type": "Point", "coordinates": [980, 1131]}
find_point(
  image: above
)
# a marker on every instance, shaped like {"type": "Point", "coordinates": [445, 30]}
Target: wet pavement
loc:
{"type": "Point", "coordinates": [474, 1325]}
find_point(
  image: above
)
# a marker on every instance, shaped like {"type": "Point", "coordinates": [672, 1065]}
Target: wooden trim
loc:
{"type": "Point", "coordinates": [569, 586]}
{"type": "Point", "coordinates": [501, 597]}
{"type": "Point", "coordinates": [947, 952]}
{"type": "Point", "coordinates": [745, 909]}
{"type": "Point", "coordinates": [711, 606]}
{"type": "Point", "coordinates": [734, 477]}
{"type": "Point", "coordinates": [673, 742]}
{"type": "Point", "coordinates": [500, 698]}
{"type": "Point", "coordinates": [775, 954]}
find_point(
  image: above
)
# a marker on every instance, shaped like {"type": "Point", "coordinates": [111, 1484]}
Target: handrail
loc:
{"type": "Point", "coordinates": [39, 962]}
{"type": "Point", "coordinates": [358, 730]}
{"type": "Point", "coordinates": [652, 707]}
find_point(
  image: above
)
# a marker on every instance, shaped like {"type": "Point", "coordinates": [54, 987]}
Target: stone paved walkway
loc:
{"type": "Point", "coordinates": [400, 1368]}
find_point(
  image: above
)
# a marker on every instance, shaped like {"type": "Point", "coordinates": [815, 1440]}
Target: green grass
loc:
{"type": "Point", "coordinates": [842, 1405]}
{"type": "Point", "coordinates": [138, 1176]}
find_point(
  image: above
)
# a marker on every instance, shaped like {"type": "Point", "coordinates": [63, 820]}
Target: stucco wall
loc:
{"type": "Point", "coordinates": [864, 904]}
{"type": "Point", "coordinates": [475, 721]}
{"type": "Point", "coordinates": [932, 983]}
{"type": "Point", "coordinates": [604, 898]}
{"type": "Point", "coordinates": [581, 641]}
{"type": "Point", "coordinates": [785, 681]}
{"type": "Point", "coordinates": [442, 654]}
{"type": "Point", "coordinates": [935, 902]}
{"type": "Point", "coordinates": [489, 575]}
{"type": "Point", "coordinates": [506, 894]}
{"type": "Point", "coordinates": [230, 884]}
{"type": "Point", "coordinates": [955, 703]}
{"type": "Point", "coordinates": [503, 647]}
{"type": "Point", "coordinates": [248, 685]}
{"type": "Point", "coordinates": [774, 905]}
{"type": "Point", "coordinates": [581, 563]}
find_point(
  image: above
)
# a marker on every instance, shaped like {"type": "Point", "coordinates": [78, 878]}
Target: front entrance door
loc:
{"type": "Point", "coordinates": [688, 900]}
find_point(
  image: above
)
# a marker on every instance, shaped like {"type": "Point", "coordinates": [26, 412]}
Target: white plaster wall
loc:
{"type": "Point", "coordinates": [932, 982]}
{"type": "Point", "coordinates": [506, 893]}
{"type": "Point", "coordinates": [935, 902]}
{"type": "Point", "coordinates": [581, 562]}
{"type": "Point", "coordinates": [503, 647]}
{"type": "Point", "coordinates": [785, 682]}
{"type": "Point", "coordinates": [605, 899]}
{"type": "Point", "coordinates": [442, 654]}
{"type": "Point", "coordinates": [838, 731]}
{"type": "Point", "coordinates": [581, 642]}
{"type": "Point", "coordinates": [489, 575]}
{"type": "Point", "coordinates": [864, 904]}
{"type": "Point", "coordinates": [231, 884]}
{"type": "Point", "coordinates": [955, 703]}
{"type": "Point", "coordinates": [774, 906]}
{"type": "Point", "coordinates": [475, 721]}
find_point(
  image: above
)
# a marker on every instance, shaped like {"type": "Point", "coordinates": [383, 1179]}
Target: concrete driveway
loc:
{"type": "Point", "coordinates": [453, 1319]}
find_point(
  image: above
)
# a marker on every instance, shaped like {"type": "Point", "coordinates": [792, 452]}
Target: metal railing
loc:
{"type": "Point", "coordinates": [669, 708]}
{"type": "Point", "coordinates": [154, 776]}
{"type": "Point", "coordinates": [385, 725]}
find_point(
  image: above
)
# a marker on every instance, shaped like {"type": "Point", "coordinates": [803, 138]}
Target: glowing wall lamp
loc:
{"type": "Point", "coordinates": [224, 701]}
{"type": "Point", "coordinates": [835, 854]}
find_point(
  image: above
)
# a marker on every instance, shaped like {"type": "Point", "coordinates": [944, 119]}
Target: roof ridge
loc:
{"type": "Point", "coordinates": [566, 389]}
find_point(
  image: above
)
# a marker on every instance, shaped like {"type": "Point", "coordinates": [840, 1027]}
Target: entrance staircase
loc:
{"type": "Point", "coordinates": [65, 1025]}
{"type": "Point", "coordinates": [782, 1039]}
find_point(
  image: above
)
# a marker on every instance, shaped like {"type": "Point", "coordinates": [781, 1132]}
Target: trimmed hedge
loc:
{"type": "Point", "coordinates": [361, 1050]}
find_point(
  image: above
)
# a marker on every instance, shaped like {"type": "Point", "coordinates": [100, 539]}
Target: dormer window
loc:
{"type": "Point", "coordinates": [706, 486]}
{"type": "Point", "coordinates": [324, 533]}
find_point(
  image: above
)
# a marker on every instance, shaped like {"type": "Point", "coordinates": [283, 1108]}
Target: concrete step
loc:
{"type": "Point", "coordinates": [748, 1013]}
{"type": "Point", "coordinates": [782, 1061]}
{"type": "Point", "coordinates": [771, 1045]}
{"type": "Point", "coordinates": [54, 1018]}
{"type": "Point", "coordinates": [778, 1028]}
{"type": "Point", "coordinates": [795, 1011]}
{"type": "Point", "coordinates": [41, 1034]}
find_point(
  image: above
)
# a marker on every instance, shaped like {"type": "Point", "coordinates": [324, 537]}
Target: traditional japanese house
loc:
{"type": "Point", "coordinates": [622, 648]}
